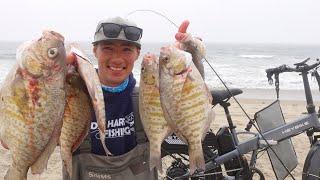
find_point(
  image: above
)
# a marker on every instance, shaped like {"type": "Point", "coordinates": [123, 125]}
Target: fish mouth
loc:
{"type": "Point", "coordinates": [182, 72]}
{"type": "Point", "coordinates": [149, 58]}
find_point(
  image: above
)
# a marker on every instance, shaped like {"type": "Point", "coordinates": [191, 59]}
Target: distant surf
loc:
{"type": "Point", "coordinates": [252, 56]}
{"type": "Point", "coordinates": [239, 65]}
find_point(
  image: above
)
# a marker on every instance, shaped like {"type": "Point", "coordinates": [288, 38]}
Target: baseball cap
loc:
{"type": "Point", "coordinates": [118, 28]}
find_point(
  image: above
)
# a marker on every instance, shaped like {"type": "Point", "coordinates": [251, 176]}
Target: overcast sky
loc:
{"type": "Point", "coordinates": [263, 21]}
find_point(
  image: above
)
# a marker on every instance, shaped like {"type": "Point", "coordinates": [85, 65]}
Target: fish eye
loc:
{"type": "Point", "coordinates": [142, 69]}
{"type": "Point", "coordinates": [52, 52]}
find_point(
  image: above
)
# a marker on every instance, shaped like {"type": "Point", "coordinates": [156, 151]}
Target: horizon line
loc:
{"type": "Point", "coordinates": [206, 42]}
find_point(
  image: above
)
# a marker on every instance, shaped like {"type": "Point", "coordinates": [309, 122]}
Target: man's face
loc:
{"type": "Point", "coordinates": [115, 60]}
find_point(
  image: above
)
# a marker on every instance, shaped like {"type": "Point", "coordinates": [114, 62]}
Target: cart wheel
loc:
{"type": "Point", "coordinates": [256, 174]}
{"type": "Point", "coordinates": [311, 168]}
{"type": "Point", "coordinates": [178, 170]}
{"type": "Point", "coordinates": [251, 174]}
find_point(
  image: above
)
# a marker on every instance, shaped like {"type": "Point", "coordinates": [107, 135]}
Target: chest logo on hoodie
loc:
{"type": "Point", "coordinates": [119, 127]}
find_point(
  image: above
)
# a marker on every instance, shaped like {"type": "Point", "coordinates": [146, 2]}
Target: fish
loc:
{"type": "Point", "coordinates": [150, 110]}
{"type": "Point", "coordinates": [197, 48]}
{"type": "Point", "coordinates": [185, 100]}
{"type": "Point", "coordinates": [32, 100]}
{"type": "Point", "coordinates": [84, 99]}
{"type": "Point", "coordinates": [94, 87]}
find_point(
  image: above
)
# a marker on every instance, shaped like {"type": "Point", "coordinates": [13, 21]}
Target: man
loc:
{"type": "Point", "coordinates": [117, 46]}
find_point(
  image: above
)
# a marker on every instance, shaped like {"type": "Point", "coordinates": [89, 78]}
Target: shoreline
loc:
{"type": "Point", "coordinates": [284, 95]}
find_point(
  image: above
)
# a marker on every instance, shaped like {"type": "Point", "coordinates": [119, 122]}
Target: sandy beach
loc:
{"type": "Point", "coordinates": [252, 101]}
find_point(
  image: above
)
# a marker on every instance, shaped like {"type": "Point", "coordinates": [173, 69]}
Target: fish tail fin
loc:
{"type": "Point", "coordinates": [155, 161]}
{"type": "Point", "coordinates": [14, 174]}
{"type": "Point", "coordinates": [196, 159]}
{"type": "Point", "coordinates": [68, 165]}
{"type": "Point", "coordinates": [66, 157]}
{"type": "Point", "coordinates": [103, 141]}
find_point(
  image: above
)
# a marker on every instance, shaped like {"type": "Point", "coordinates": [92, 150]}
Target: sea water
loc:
{"type": "Point", "coordinates": [238, 65]}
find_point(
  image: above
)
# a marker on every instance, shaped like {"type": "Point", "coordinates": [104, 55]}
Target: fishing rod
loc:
{"type": "Point", "coordinates": [224, 84]}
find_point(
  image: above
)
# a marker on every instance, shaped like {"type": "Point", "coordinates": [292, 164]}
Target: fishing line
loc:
{"type": "Point", "coordinates": [235, 99]}
{"type": "Point", "coordinates": [149, 10]}
{"type": "Point", "coordinates": [174, 24]}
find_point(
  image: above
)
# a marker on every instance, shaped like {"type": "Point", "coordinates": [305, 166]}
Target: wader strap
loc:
{"type": "Point", "coordinates": [141, 135]}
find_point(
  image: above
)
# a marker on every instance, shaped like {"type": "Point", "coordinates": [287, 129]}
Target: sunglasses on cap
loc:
{"type": "Point", "coordinates": [112, 30]}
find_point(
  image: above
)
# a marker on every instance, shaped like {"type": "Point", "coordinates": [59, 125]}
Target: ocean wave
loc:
{"type": "Point", "coordinates": [251, 56]}
{"type": "Point", "coordinates": [7, 56]}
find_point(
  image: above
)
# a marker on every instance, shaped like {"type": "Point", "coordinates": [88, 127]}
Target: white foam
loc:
{"type": "Point", "coordinates": [251, 56]}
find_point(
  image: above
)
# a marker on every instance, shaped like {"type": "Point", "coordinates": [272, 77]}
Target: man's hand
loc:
{"type": "Point", "coordinates": [182, 32]}
{"type": "Point", "coordinates": [182, 35]}
{"type": "Point", "coordinates": [71, 57]}
{"type": "Point", "coordinates": [193, 45]}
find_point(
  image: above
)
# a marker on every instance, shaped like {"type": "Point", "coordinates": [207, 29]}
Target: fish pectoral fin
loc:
{"type": "Point", "coordinates": [66, 157]}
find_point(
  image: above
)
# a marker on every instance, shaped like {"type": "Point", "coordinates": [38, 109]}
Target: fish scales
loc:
{"type": "Point", "coordinates": [34, 117]}
{"type": "Point", "coordinates": [77, 118]}
{"type": "Point", "coordinates": [84, 100]}
{"type": "Point", "coordinates": [186, 102]}
{"type": "Point", "coordinates": [32, 104]}
{"type": "Point", "coordinates": [192, 118]}
{"type": "Point", "coordinates": [89, 74]}
{"type": "Point", "coordinates": [151, 113]}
